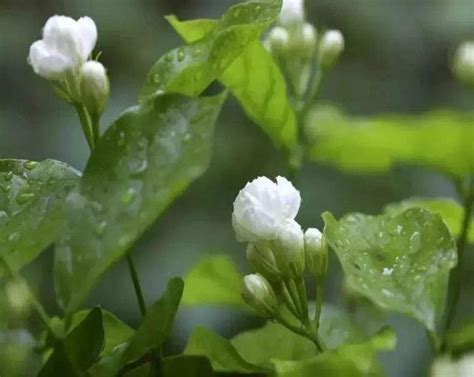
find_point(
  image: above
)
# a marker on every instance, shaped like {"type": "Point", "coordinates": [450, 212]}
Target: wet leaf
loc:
{"type": "Point", "coordinates": [143, 162]}
{"type": "Point", "coordinates": [32, 196]}
{"type": "Point", "coordinates": [461, 339]}
{"type": "Point", "coordinates": [401, 262]}
{"type": "Point", "coordinates": [215, 280]}
{"type": "Point", "coordinates": [187, 366]}
{"type": "Point", "coordinates": [191, 69]}
{"type": "Point", "coordinates": [441, 140]}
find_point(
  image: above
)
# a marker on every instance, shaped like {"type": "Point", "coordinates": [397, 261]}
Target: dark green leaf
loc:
{"type": "Point", "coordinates": [58, 365]}
{"type": "Point", "coordinates": [31, 203]}
{"type": "Point", "coordinates": [221, 353]}
{"type": "Point", "coordinates": [451, 212]}
{"type": "Point", "coordinates": [157, 324]}
{"type": "Point", "coordinates": [143, 162]}
{"type": "Point", "coordinates": [256, 81]}
{"type": "Point", "coordinates": [461, 339]}
{"type": "Point", "coordinates": [190, 69]}
{"type": "Point", "coordinates": [214, 281]}
{"type": "Point", "coordinates": [441, 140]}
{"type": "Point", "coordinates": [187, 366]}
{"type": "Point", "coordinates": [85, 342]}
{"type": "Point", "coordinates": [400, 262]}
{"type": "Point", "coordinates": [109, 365]}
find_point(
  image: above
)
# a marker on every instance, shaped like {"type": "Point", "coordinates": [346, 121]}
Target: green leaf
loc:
{"type": "Point", "coordinates": [461, 339]}
{"type": "Point", "coordinates": [451, 212]}
{"type": "Point", "coordinates": [31, 203]}
{"type": "Point", "coordinates": [58, 365]}
{"type": "Point", "coordinates": [157, 324]}
{"type": "Point", "coordinates": [191, 69]}
{"type": "Point", "coordinates": [256, 81]}
{"type": "Point", "coordinates": [142, 163]}
{"type": "Point", "coordinates": [349, 360]}
{"type": "Point", "coordinates": [214, 281]}
{"type": "Point", "coordinates": [221, 353]}
{"type": "Point", "coordinates": [187, 366]}
{"type": "Point", "coordinates": [441, 140]}
{"type": "Point", "coordinates": [401, 262]}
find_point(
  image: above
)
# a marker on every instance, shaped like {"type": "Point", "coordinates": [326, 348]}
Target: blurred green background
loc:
{"type": "Point", "coordinates": [396, 60]}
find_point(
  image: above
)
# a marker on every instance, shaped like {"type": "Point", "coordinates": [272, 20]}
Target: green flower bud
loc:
{"type": "Point", "coordinates": [331, 47]}
{"type": "Point", "coordinates": [18, 296]}
{"type": "Point", "coordinates": [463, 64]}
{"type": "Point", "coordinates": [288, 249]}
{"type": "Point", "coordinates": [278, 40]}
{"type": "Point", "coordinates": [316, 253]}
{"type": "Point", "coordinates": [259, 294]}
{"type": "Point", "coordinates": [262, 259]}
{"type": "Point", "coordinates": [95, 87]}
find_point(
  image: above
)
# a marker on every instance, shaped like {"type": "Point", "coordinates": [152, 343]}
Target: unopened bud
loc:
{"type": "Point", "coordinates": [18, 296]}
{"type": "Point", "coordinates": [316, 252]}
{"type": "Point", "coordinates": [95, 87]}
{"type": "Point", "coordinates": [331, 46]}
{"type": "Point", "coordinates": [259, 294]}
{"type": "Point", "coordinates": [463, 64]}
{"type": "Point", "coordinates": [278, 40]}
{"type": "Point", "coordinates": [262, 259]}
{"type": "Point", "coordinates": [289, 249]}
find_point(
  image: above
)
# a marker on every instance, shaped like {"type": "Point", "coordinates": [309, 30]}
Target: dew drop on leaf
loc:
{"type": "Point", "coordinates": [129, 196]}
{"type": "Point", "coordinates": [14, 237]}
{"type": "Point", "coordinates": [8, 176]}
{"type": "Point", "coordinates": [100, 228]}
{"type": "Point", "coordinates": [24, 197]}
{"type": "Point", "coordinates": [181, 55]}
{"type": "Point", "coordinates": [30, 165]}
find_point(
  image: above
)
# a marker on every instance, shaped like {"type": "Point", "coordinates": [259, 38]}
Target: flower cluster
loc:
{"type": "Point", "coordinates": [63, 56]}
{"type": "Point", "coordinates": [278, 249]}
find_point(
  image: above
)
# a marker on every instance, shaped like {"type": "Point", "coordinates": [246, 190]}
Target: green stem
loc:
{"type": "Point", "coordinates": [301, 288]}
{"type": "Point", "coordinates": [136, 285]}
{"type": "Point", "coordinates": [300, 331]}
{"type": "Point", "coordinates": [87, 126]}
{"type": "Point", "coordinates": [289, 301]}
{"type": "Point", "coordinates": [456, 277]}
{"type": "Point", "coordinates": [319, 303]}
{"type": "Point", "coordinates": [293, 291]}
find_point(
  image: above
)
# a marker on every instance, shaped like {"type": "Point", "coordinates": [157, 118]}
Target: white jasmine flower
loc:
{"type": "Point", "coordinates": [262, 207]}
{"type": "Point", "coordinates": [259, 294]}
{"type": "Point", "coordinates": [66, 45]}
{"type": "Point", "coordinates": [463, 65]}
{"type": "Point", "coordinates": [330, 47]}
{"type": "Point", "coordinates": [292, 12]}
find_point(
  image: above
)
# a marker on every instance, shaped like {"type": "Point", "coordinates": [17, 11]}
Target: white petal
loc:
{"type": "Point", "coordinates": [62, 35]}
{"type": "Point", "coordinates": [88, 34]}
{"type": "Point", "coordinates": [51, 66]}
{"type": "Point", "coordinates": [290, 196]}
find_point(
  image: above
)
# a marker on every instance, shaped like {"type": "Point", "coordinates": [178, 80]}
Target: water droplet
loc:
{"type": "Point", "coordinates": [197, 52]}
{"type": "Point", "coordinates": [181, 55]}
{"type": "Point", "coordinates": [386, 292]}
{"type": "Point", "coordinates": [169, 57]}
{"type": "Point", "coordinates": [8, 176]}
{"type": "Point", "coordinates": [237, 13]}
{"type": "Point", "coordinates": [24, 197]}
{"type": "Point", "coordinates": [121, 139]}
{"type": "Point", "coordinates": [100, 228]}
{"type": "Point", "coordinates": [387, 271]}
{"type": "Point", "coordinates": [14, 237]}
{"type": "Point", "coordinates": [415, 242]}
{"type": "Point", "coordinates": [3, 215]}
{"type": "Point", "coordinates": [156, 78]}
{"type": "Point", "coordinates": [137, 166]}
{"type": "Point", "coordinates": [129, 196]}
{"type": "Point", "coordinates": [30, 165]}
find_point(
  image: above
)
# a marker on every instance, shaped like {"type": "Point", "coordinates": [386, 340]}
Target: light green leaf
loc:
{"type": "Point", "coordinates": [220, 351]}
{"type": "Point", "coordinates": [142, 163]}
{"type": "Point", "coordinates": [157, 324]}
{"type": "Point", "coordinates": [256, 81]}
{"type": "Point", "coordinates": [187, 366]}
{"type": "Point", "coordinates": [349, 360]}
{"type": "Point", "coordinates": [400, 262]}
{"type": "Point", "coordinates": [441, 140]}
{"type": "Point", "coordinates": [31, 203]}
{"type": "Point", "coordinates": [461, 339]}
{"type": "Point", "coordinates": [191, 69]}
{"type": "Point", "coordinates": [451, 212]}
{"type": "Point", "coordinates": [214, 281]}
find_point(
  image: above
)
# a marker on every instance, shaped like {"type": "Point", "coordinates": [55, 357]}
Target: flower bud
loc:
{"type": "Point", "coordinates": [278, 40]}
{"type": "Point", "coordinates": [18, 296]}
{"type": "Point", "coordinates": [289, 250]}
{"type": "Point", "coordinates": [95, 87]}
{"type": "Point", "coordinates": [259, 294]}
{"type": "Point", "coordinates": [463, 64]}
{"type": "Point", "coordinates": [331, 46]}
{"type": "Point", "coordinates": [65, 46]}
{"type": "Point", "coordinates": [292, 12]}
{"type": "Point", "coordinates": [316, 253]}
{"type": "Point", "coordinates": [262, 259]}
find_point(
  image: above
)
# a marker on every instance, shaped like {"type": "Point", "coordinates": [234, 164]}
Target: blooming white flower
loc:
{"type": "Point", "coordinates": [262, 207]}
{"type": "Point", "coordinates": [259, 294]}
{"type": "Point", "coordinates": [292, 12]}
{"type": "Point", "coordinates": [95, 87]}
{"type": "Point", "coordinates": [330, 47]}
{"type": "Point", "coordinates": [463, 65]}
{"type": "Point", "coordinates": [66, 45]}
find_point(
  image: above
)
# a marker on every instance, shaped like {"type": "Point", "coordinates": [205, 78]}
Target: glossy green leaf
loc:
{"type": "Point", "coordinates": [214, 281]}
{"type": "Point", "coordinates": [461, 339]}
{"type": "Point", "coordinates": [58, 365]}
{"type": "Point", "coordinates": [157, 324]}
{"type": "Point", "coordinates": [350, 360]}
{"type": "Point", "coordinates": [187, 366]}
{"type": "Point", "coordinates": [451, 212]}
{"type": "Point", "coordinates": [337, 328]}
{"type": "Point", "coordinates": [256, 81]}
{"type": "Point", "coordinates": [221, 353]}
{"type": "Point", "coordinates": [110, 364]}
{"type": "Point", "coordinates": [190, 69]}
{"type": "Point", "coordinates": [31, 203]}
{"type": "Point", "coordinates": [441, 140]}
{"type": "Point", "coordinates": [142, 163]}
{"type": "Point", "coordinates": [401, 262]}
